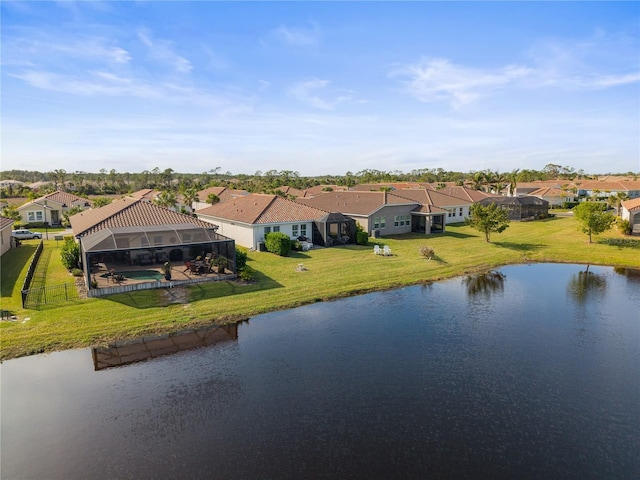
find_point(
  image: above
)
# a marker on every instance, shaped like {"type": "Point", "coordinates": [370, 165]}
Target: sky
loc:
{"type": "Point", "coordinates": [320, 88]}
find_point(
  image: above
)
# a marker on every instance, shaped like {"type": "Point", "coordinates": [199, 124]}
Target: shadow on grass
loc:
{"type": "Point", "coordinates": [13, 262]}
{"type": "Point", "coordinates": [139, 299]}
{"type": "Point", "coordinates": [162, 297]}
{"type": "Point", "coordinates": [458, 235]}
{"type": "Point", "coordinates": [521, 247]}
{"type": "Point", "coordinates": [203, 291]}
{"type": "Point", "coordinates": [438, 259]}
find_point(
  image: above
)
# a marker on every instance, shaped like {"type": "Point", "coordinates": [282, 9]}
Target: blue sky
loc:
{"type": "Point", "coordinates": [320, 88]}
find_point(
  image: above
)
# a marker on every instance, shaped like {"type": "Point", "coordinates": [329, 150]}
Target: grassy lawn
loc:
{"type": "Point", "coordinates": [330, 273]}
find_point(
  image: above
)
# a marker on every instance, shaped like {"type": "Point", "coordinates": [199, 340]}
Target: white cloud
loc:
{"type": "Point", "coordinates": [163, 51]}
{"type": "Point", "coordinates": [298, 36]}
{"type": "Point", "coordinates": [437, 79]}
{"type": "Point", "coordinates": [309, 92]}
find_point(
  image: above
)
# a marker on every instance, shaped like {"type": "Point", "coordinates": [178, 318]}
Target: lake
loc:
{"type": "Point", "coordinates": [528, 372]}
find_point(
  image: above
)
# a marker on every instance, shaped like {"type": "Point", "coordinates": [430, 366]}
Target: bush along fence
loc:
{"type": "Point", "coordinates": [30, 271]}
{"type": "Point", "coordinates": [34, 297]}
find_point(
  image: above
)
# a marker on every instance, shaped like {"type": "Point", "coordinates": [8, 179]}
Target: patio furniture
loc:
{"type": "Point", "coordinates": [386, 250]}
{"type": "Point", "coordinates": [376, 250]}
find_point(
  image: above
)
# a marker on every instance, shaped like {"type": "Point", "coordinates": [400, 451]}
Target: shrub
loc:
{"type": "Point", "coordinates": [362, 237]}
{"type": "Point", "coordinates": [241, 260]}
{"type": "Point", "coordinates": [246, 274]}
{"type": "Point", "coordinates": [70, 253]}
{"type": "Point", "coordinates": [296, 245]}
{"type": "Point", "coordinates": [624, 226]}
{"type": "Point", "coordinates": [278, 243]}
{"type": "Point", "coordinates": [76, 272]}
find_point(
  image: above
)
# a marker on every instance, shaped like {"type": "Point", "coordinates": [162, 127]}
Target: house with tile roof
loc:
{"type": "Point", "coordinates": [555, 196]}
{"type": "Point", "coordinates": [457, 207]}
{"type": "Point", "coordinates": [51, 208]}
{"type": "Point", "coordinates": [130, 231]}
{"type": "Point", "coordinates": [248, 218]}
{"type": "Point", "coordinates": [631, 211]}
{"type": "Point", "coordinates": [385, 213]}
{"type": "Point", "coordinates": [224, 194]}
{"type": "Point", "coordinates": [6, 240]}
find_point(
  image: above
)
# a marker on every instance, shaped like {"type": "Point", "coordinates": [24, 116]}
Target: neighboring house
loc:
{"type": "Point", "coordinates": [224, 194]}
{"type": "Point", "coordinates": [51, 208]}
{"type": "Point", "coordinates": [383, 213]}
{"type": "Point", "coordinates": [457, 208]}
{"type": "Point", "coordinates": [132, 231]}
{"type": "Point", "coordinates": [146, 194]}
{"type": "Point", "coordinates": [248, 218]}
{"type": "Point", "coordinates": [555, 196]}
{"type": "Point", "coordinates": [465, 193]}
{"type": "Point", "coordinates": [6, 241]}
{"type": "Point", "coordinates": [520, 208]}
{"type": "Point", "coordinates": [631, 212]}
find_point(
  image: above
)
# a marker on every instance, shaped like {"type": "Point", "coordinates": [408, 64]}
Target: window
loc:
{"type": "Point", "coordinates": [34, 216]}
{"type": "Point", "coordinates": [294, 231]}
{"type": "Point", "coordinates": [303, 229]}
{"type": "Point", "coordinates": [460, 211]}
{"type": "Point", "coordinates": [276, 228]}
{"type": "Point", "coordinates": [453, 212]}
{"type": "Point", "coordinates": [376, 222]}
{"type": "Point", "coordinates": [402, 220]}
{"type": "Point", "coordinates": [448, 213]}
{"type": "Point", "coordinates": [383, 223]}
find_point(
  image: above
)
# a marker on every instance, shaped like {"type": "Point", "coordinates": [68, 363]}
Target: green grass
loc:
{"type": "Point", "coordinates": [330, 273]}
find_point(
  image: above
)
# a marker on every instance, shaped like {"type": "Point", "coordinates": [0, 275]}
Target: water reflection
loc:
{"type": "Point", "coordinates": [125, 353]}
{"type": "Point", "coordinates": [585, 284]}
{"type": "Point", "coordinates": [632, 274]}
{"type": "Point", "coordinates": [485, 283]}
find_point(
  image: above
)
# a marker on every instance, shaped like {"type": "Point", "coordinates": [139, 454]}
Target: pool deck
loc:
{"type": "Point", "coordinates": [179, 272]}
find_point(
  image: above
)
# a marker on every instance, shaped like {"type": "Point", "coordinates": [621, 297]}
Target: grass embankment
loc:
{"type": "Point", "coordinates": [331, 273]}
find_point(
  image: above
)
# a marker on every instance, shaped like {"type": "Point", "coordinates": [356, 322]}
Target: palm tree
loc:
{"type": "Point", "coordinates": [166, 199]}
{"type": "Point", "coordinates": [212, 198]}
{"type": "Point", "coordinates": [190, 195]}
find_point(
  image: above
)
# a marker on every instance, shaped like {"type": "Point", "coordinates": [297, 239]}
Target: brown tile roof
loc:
{"type": "Point", "coordinates": [145, 193]}
{"type": "Point", "coordinates": [464, 193]}
{"type": "Point", "coordinates": [262, 208]}
{"type": "Point", "coordinates": [63, 198]}
{"type": "Point", "coordinates": [319, 190]}
{"type": "Point", "coordinates": [129, 212]}
{"type": "Point", "coordinates": [5, 222]}
{"type": "Point", "coordinates": [632, 204]}
{"type": "Point", "coordinates": [295, 192]}
{"type": "Point", "coordinates": [354, 202]}
{"type": "Point", "coordinates": [225, 194]}
{"type": "Point", "coordinates": [550, 192]}
{"type": "Point", "coordinates": [432, 198]}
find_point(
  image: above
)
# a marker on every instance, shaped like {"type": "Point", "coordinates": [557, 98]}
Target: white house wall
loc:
{"type": "Point", "coordinates": [456, 214]}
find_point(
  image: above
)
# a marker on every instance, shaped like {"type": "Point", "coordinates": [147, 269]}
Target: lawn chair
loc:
{"type": "Point", "coordinates": [376, 250]}
{"type": "Point", "coordinates": [386, 251]}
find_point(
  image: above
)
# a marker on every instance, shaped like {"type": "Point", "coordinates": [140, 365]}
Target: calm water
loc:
{"type": "Point", "coordinates": [531, 374]}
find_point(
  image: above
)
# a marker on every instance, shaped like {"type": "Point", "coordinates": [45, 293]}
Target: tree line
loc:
{"type": "Point", "coordinates": [120, 183]}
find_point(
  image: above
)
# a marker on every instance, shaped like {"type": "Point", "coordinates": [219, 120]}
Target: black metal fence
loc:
{"type": "Point", "coordinates": [35, 297]}
{"type": "Point", "coordinates": [32, 269]}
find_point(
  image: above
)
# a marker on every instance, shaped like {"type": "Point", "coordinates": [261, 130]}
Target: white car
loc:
{"type": "Point", "coordinates": [25, 234]}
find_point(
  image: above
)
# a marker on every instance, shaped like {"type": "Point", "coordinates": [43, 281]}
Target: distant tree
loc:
{"type": "Point", "coordinates": [212, 198]}
{"type": "Point", "coordinates": [101, 202]}
{"type": "Point", "coordinates": [488, 219]}
{"type": "Point", "coordinates": [11, 211]}
{"type": "Point", "coordinates": [69, 213]}
{"type": "Point", "coordinates": [593, 218]}
{"type": "Point", "coordinates": [166, 199]}
{"type": "Point", "coordinates": [190, 195]}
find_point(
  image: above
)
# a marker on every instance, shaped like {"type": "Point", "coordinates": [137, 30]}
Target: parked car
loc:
{"type": "Point", "coordinates": [25, 234]}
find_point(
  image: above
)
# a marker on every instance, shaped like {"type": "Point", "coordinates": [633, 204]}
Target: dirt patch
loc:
{"type": "Point", "coordinates": [175, 295]}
